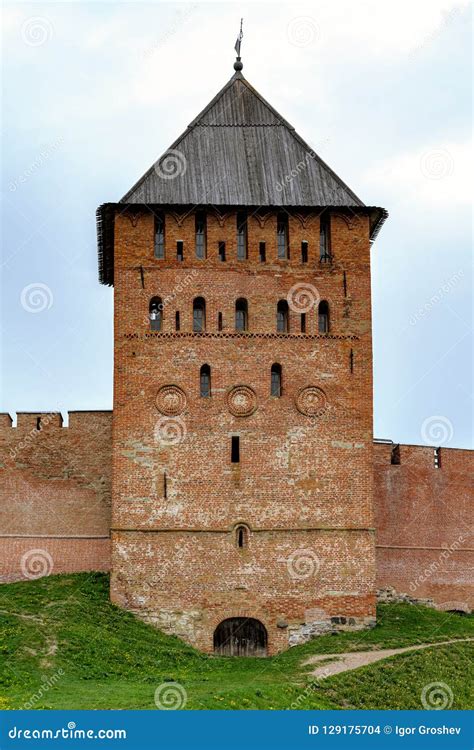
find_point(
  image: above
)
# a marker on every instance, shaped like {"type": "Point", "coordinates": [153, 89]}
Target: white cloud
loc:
{"type": "Point", "coordinates": [436, 175]}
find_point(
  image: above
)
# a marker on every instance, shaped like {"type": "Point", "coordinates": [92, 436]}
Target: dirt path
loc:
{"type": "Point", "coordinates": [354, 659]}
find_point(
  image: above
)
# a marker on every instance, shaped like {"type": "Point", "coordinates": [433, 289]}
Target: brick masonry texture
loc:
{"type": "Point", "coordinates": [55, 486]}
{"type": "Point", "coordinates": [303, 486]}
{"type": "Point", "coordinates": [423, 516]}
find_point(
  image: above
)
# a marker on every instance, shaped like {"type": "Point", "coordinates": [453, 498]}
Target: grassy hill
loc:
{"type": "Point", "coordinates": [63, 646]}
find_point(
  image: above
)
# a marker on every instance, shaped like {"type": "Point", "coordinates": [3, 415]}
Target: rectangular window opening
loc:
{"type": "Point", "coordinates": [437, 458]}
{"type": "Point", "coordinates": [222, 251]}
{"type": "Point", "coordinates": [200, 222]}
{"type": "Point", "coordinates": [241, 236]}
{"type": "Point", "coordinates": [262, 251]}
{"type": "Point", "coordinates": [219, 321]}
{"type": "Point", "coordinates": [304, 251]}
{"type": "Point", "coordinates": [159, 237]}
{"type": "Point", "coordinates": [282, 237]}
{"type": "Point", "coordinates": [324, 239]}
{"type": "Point", "coordinates": [303, 322]}
{"type": "Point", "coordinates": [180, 250]}
{"type": "Point", "coordinates": [235, 449]}
{"type": "Point", "coordinates": [177, 320]}
{"type": "Point", "coordinates": [165, 486]}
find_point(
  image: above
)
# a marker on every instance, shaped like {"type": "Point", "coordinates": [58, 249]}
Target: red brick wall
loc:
{"type": "Point", "coordinates": [55, 488]}
{"type": "Point", "coordinates": [425, 544]}
{"type": "Point", "coordinates": [304, 484]}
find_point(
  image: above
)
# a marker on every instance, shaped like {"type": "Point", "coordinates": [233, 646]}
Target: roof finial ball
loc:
{"type": "Point", "coordinates": [238, 65]}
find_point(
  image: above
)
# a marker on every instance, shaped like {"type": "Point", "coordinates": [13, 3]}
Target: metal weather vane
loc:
{"type": "Point", "coordinates": [238, 65]}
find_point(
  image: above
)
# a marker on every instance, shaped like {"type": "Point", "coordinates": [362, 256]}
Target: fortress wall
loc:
{"type": "Point", "coordinates": [423, 519]}
{"type": "Point", "coordinates": [55, 485]}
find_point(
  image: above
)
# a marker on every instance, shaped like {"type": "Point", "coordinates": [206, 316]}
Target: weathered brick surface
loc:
{"type": "Point", "coordinates": [303, 485]}
{"type": "Point", "coordinates": [425, 541]}
{"type": "Point", "coordinates": [55, 486]}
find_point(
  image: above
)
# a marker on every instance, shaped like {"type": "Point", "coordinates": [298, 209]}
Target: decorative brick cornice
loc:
{"type": "Point", "coordinates": [238, 335]}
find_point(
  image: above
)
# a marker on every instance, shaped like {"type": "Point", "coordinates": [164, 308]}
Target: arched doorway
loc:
{"type": "Point", "coordinates": [240, 636]}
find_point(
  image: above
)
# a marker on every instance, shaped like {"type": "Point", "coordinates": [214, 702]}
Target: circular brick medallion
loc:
{"type": "Point", "coordinates": [241, 401]}
{"type": "Point", "coordinates": [311, 401]}
{"type": "Point", "coordinates": [170, 400]}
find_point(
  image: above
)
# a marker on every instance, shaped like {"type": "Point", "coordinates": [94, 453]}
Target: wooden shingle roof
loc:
{"type": "Point", "coordinates": [239, 151]}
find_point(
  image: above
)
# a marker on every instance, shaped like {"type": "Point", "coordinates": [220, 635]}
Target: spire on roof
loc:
{"type": "Point", "coordinates": [238, 65]}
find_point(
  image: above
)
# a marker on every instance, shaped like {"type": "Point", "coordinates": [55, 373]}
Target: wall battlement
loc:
{"type": "Point", "coordinates": [55, 487]}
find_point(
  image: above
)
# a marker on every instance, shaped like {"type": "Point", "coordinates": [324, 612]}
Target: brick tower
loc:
{"type": "Point", "coordinates": [242, 422]}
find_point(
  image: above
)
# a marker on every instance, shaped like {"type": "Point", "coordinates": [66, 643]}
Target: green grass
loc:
{"type": "Point", "coordinates": [62, 641]}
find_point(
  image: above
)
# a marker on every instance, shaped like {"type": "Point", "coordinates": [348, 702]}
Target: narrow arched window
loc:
{"type": "Point", "coordinates": [241, 536]}
{"type": "Point", "coordinates": [275, 382]}
{"type": "Point", "coordinates": [199, 315]}
{"type": "Point", "coordinates": [282, 316]}
{"type": "Point", "coordinates": [241, 315]}
{"type": "Point", "coordinates": [323, 317]}
{"type": "Point", "coordinates": [156, 313]}
{"type": "Point", "coordinates": [205, 381]}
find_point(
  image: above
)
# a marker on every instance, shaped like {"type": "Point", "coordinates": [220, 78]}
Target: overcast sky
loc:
{"type": "Point", "coordinates": [94, 92]}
